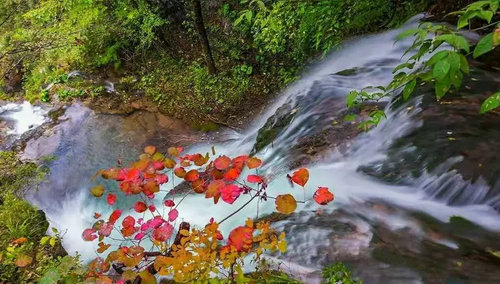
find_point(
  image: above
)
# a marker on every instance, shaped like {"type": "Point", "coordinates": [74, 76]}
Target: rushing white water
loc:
{"type": "Point", "coordinates": [24, 116]}
{"type": "Point", "coordinates": [313, 101]}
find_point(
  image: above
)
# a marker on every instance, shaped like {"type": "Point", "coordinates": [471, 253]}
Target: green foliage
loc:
{"type": "Point", "coordinates": [447, 65]}
{"type": "Point", "coordinates": [338, 273]}
{"type": "Point", "coordinates": [16, 175]}
{"type": "Point", "coordinates": [49, 37]}
{"type": "Point", "coordinates": [303, 28]}
{"type": "Point", "coordinates": [193, 89]}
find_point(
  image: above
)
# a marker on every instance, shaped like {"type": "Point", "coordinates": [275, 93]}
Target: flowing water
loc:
{"type": "Point", "coordinates": [394, 219]}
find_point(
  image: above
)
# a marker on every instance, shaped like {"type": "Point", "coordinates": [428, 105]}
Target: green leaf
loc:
{"type": "Point", "coordinates": [464, 64]}
{"type": "Point", "coordinates": [351, 98]}
{"type": "Point", "coordinates": [484, 45]}
{"type": "Point", "coordinates": [409, 89]}
{"type": "Point", "coordinates": [44, 240]}
{"type": "Point", "coordinates": [457, 41]}
{"type": "Point", "coordinates": [407, 33]}
{"type": "Point", "coordinates": [442, 86]}
{"type": "Point", "coordinates": [240, 18]}
{"type": "Point", "coordinates": [491, 103]}
{"type": "Point", "coordinates": [249, 15]}
{"type": "Point", "coordinates": [402, 66]}
{"type": "Point", "coordinates": [494, 5]}
{"type": "Point", "coordinates": [464, 19]}
{"type": "Point", "coordinates": [350, 117]}
{"type": "Point", "coordinates": [456, 79]}
{"type": "Point", "coordinates": [436, 57]}
{"type": "Point", "coordinates": [454, 61]}
{"type": "Point", "coordinates": [52, 242]}
{"type": "Point", "coordinates": [441, 69]}
{"type": "Point", "coordinates": [50, 277]}
{"type": "Point", "coordinates": [485, 15]}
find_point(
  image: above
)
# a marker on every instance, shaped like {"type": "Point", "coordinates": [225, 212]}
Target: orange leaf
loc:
{"type": "Point", "coordinates": [253, 163]}
{"type": "Point", "coordinates": [23, 260]}
{"type": "Point", "coordinates": [213, 190]}
{"type": "Point", "coordinates": [151, 150]}
{"type": "Point", "coordinates": [173, 151]}
{"type": "Point", "coordinates": [200, 160]}
{"type": "Point", "coordinates": [286, 204]}
{"type": "Point", "coordinates": [19, 241]}
{"type": "Point", "coordinates": [222, 163]}
{"type": "Point", "coordinates": [112, 173]}
{"type": "Point", "coordinates": [180, 172]}
{"type": "Point", "coordinates": [198, 186]}
{"type": "Point", "coordinates": [241, 238]}
{"type": "Point", "coordinates": [192, 175]}
{"type": "Point", "coordinates": [323, 196]}
{"type": "Point", "coordinates": [102, 247]}
{"type": "Point", "coordinates": [232, 174]}
{"type": "Point", "coordinates": [140, 207]}
{"type": "Point", "coordinates": [169, 163]}
{"type": "Point", "coordinates": [300, 177]}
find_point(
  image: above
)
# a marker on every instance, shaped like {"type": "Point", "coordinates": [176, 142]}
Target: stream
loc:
{"type": "Point", "coordinates": [417, 199]}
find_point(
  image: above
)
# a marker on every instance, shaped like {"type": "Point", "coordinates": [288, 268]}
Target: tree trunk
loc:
{"type": "Point", "coordinates": [202, 32]}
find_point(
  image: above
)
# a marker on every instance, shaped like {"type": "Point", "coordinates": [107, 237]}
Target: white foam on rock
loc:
{"type": "Point", "coordinates": [24, 116]}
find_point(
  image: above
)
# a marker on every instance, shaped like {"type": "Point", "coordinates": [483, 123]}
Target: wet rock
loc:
{"type": "Point", "coordinates": [468, 143]}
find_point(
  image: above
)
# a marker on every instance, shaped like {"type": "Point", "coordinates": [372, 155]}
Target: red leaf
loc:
{"type": "Point", "coordinates": [323, 196]}
{"type": "Point", "coordinates": [89, 235]}
{"type": "Point", "coordinates": [111, 199]}
{"type": "Point", "coordinates": [300, 177]}
{"type": "Point", "coordinates": [222, 163]}
{"type": "Point", "coordinates": [169, 203]}
{"type": "Point", "coordinates": [115, 216]}
{"type": "Point", "coordinates": [161, 179]}
{"type": "Point", "coordinates": [139, 236]}
{"type": "Point", "coordinates": [192, 175]}
{"type": "Point", "coordinates": [163, 233]}
{"type": "Point", "coordinates": [230, 193]}
{"type": "Point", "coordinates": [254, 179]}
{"type": "Point", "coordinates": [140, 207]}
{"type": "Point", "coordinates": [253, 163]}
{"type": "Point", "coordinates": [106, 229]}
{"type": "Point", "coordinates": [232, 174]}
{"type": "Point", "coordinates": [152, 208]}
{"type": "Point", "coordinates": [172, 215]}
{"type": "Point", "coordinates": [128, 222]}
{"type": "Point", "coordinates": [97, 215]}
{"type": "Point", "coordinates": [159, 166]}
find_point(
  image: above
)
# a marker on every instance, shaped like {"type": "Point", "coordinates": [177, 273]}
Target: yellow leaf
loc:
{"type": "Point", "coordinates": [97, 191]}
{"type": "Point", "coordinates": [52, 242]}
{"type": "Point", "coordinates": [249, 223]}
{"type": "Point", "coordinates": [282, 246]}
{"type": "Point", "coordinates": [286, 204]}
{"type": "Point", "coordinates": [147, 277]}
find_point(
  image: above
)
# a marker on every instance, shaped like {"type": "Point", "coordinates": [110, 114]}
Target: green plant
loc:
{"type": "Point", "coordinates": [445, 69]}
{"type": "Point", "coordinates": [338, 273]}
